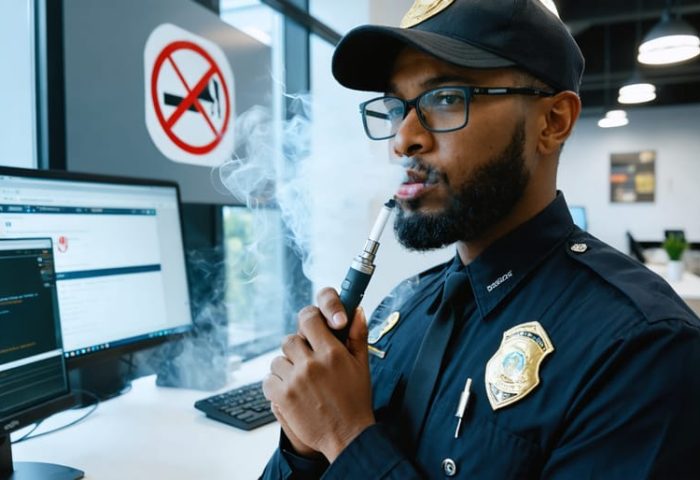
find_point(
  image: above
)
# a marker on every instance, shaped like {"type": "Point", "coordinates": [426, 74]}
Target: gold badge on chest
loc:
{"type": "Point", "coordinates": [423, 10]}
{"type": "Point", "coordinates": [383, 328]}
{"type": "Point", "coordinates": [514, 370]}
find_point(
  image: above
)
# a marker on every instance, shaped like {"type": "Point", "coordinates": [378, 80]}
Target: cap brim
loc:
{"type": "Point", "coordinates": [364, 58]}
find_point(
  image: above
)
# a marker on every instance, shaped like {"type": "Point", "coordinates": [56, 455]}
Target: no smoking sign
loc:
{"type": "Point", "coordinates": [189, 97]}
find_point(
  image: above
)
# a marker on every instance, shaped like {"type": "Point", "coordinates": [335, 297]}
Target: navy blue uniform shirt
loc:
{"type": "Point", "coordinates": [611, 389]}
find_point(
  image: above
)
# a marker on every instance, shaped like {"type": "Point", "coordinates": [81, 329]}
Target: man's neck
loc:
{"type": "Point", "coordinates": [524, 211]}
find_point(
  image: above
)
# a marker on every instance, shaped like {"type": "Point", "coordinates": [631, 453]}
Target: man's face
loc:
{"type": "Point", "coordinates": [458, 184]}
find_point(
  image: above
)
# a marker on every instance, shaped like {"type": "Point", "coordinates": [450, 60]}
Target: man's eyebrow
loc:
{"type": "Point", "coordinates": [436, 82]}
{"type": "Point", "coordinates": [443, 79]}
{"type": "Point", "coordinates": [391, 89]}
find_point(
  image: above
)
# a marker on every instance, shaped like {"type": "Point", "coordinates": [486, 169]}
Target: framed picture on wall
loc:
{"type": "Point", "coordinates": [633, 177]}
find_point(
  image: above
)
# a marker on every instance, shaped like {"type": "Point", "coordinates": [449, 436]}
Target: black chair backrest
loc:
{"type": "Point", "coordinates": [635, 249]}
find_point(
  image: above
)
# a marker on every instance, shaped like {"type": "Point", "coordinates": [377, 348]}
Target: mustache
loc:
{"type": "Point", "coordinates": [431, 173]}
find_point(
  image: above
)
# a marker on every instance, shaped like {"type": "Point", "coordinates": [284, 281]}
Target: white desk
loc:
{"type": "Point", "coordinates": [155, 433]}
{"type": "Point", "coordinates": [688, 288]}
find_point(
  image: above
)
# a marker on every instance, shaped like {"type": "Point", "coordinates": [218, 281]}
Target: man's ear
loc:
{"type": "Point", "coordinates": [559, 116]}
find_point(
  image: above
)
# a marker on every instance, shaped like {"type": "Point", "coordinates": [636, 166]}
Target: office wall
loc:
{"type": "Point", "coordinates": [585, 169]}
{"type": "Point", "coordinates": [17, 123]}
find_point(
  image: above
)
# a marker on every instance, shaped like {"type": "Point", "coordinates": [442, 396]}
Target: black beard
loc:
{"type": "Point", "coordinates": [485, 199]}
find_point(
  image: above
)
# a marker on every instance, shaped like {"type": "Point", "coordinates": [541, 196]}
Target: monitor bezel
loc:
{"type": "Point", "coordinates": [38, 411]}
{"type": "Point", "coordinates": [141, 343]}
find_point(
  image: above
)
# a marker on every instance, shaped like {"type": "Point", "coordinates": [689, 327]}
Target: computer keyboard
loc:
{"type": "Point", "coordinates": [244, 407]}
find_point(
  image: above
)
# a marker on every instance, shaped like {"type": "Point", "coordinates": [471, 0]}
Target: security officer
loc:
{"type": "Point", "coordinates": [538, 351]}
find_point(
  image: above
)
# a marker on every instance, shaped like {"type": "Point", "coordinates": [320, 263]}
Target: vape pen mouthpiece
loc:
{"type": "Point", "coordinates": [380, 223]}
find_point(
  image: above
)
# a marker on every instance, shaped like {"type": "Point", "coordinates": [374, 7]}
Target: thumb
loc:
{"type": "Point", "coordinates": [357, 336]}
{"type": "Point", "coordinates": [280, 418]}
{"type": "Point", "coordinates": [297, 444]}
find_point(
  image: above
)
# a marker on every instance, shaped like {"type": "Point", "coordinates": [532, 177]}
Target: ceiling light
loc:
{"type": "Point", "coordinates": [614, 118]}
{"type": "Point", "coordinates": [672, 40]}
{"type": "Point", "coordinates": [637, 92]}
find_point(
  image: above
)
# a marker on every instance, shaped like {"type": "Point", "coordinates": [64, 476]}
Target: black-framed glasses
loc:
{"type": "Point", "coordinates": [443, 109]}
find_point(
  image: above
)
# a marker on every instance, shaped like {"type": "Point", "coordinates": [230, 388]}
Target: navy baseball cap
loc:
{"type": "Point", "coordinates": [524, 34]}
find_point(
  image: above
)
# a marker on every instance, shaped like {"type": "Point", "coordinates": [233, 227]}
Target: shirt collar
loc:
{"type": "Point", "coordinates": [503, 265]}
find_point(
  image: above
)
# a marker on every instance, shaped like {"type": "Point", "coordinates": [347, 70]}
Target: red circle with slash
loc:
{"type": "Point", "coordinates": [191, 99]}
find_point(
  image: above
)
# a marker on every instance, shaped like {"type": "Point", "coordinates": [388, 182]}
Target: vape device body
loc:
{"type": "Point", "coordinates": [360, 272]}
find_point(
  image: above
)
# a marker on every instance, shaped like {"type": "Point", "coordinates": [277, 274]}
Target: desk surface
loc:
{"type": "Point", "coordinates": [155, 432]}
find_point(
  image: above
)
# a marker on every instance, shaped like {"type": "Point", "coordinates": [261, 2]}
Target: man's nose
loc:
{"type": "Point", "coordinates": [412, 137]}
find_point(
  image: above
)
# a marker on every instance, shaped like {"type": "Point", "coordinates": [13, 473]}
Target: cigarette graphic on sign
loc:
{"type": "Point", "coordinates": [174, 100]}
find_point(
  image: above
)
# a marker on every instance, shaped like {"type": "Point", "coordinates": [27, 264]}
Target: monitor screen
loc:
{"type": "Point", "coordinates": [31, 362]}
{"type": "Point", "coordinates": [579, 216]}
{"type": "Point", "coordinates": [33, 378]}
{"type": "Point", "coordinates": [118, 249]}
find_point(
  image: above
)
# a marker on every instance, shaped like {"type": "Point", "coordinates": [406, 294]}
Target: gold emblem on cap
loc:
{"type": "Point", "coordinates": [423, 10]}
{"type": "Point", "coordinates": [383, 328]}
{"type": "Point", "coordinates": [514, 370]}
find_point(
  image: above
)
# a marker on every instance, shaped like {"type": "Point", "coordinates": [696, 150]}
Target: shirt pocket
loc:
{"type": "Point", "coordinates": [385, 385]}
{"type": "Point", "coordinates": [501, 454]}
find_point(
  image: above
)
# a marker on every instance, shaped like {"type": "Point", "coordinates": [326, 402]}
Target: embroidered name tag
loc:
{"type": "Point", "coordinates": [499, 281]}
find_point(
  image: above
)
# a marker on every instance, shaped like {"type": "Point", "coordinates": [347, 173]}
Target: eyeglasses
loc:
{"type": "Point", "coordinates": [443, 109]}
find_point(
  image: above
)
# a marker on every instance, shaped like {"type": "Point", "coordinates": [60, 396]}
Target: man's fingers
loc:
{"type": "Point", "coordinates": [331, 308]}
{"type": "Point", "coordinates": [281, 367]}
{"type": "Point", "coordinates": [272, 384]}
{"type": "Point", "coordinates": [357, 337]}
{"type": "Point", "coordinates": [295, 348]}
{"type": "Point", "coordinates": [312, 327]}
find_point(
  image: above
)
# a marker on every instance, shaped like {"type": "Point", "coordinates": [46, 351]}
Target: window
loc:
{"type": "Point", "coordinates": [17, 130]}
{"type": "Point", "coordinates": [257, 277]}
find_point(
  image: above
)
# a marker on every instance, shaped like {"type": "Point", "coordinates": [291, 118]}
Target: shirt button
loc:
{"type": "Point", "coordinates": [579, 247]}
{"type": "Point", "coordinates": [449, 467]}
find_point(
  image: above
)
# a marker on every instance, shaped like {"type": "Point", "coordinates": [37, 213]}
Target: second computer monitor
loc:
{"type": "Point", "coordinates": [33, 380]}
{"type": "Point", "coordinates": [578, 213]}
{"type": "Point", "coordinates": [118, 247]}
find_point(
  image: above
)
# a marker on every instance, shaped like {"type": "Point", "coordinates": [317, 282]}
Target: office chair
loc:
{"type": "Point", "coordinates": [635, 249]}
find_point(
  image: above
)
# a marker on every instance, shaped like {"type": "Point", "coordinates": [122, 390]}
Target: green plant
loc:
{"type": "Point", "coordinates": [675, 245]}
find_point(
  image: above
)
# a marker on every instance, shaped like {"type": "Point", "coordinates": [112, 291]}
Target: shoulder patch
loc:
{"type": "Point", "coordinates": [381, 329]}
{"type": "Point", "coordinates": [652, 296]}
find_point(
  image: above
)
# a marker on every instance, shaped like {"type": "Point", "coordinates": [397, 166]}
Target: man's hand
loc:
{"type": "Point", "coordinates": [299, 447]}
{"type": "Point", "coordinates": [321, 388]}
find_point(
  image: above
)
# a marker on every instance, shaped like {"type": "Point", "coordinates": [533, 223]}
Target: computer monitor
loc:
{"type": "Point", "coordinates": [578, 213]}
{"type": "Point", "coordinates": [120, 262]}
{"type": "Point", "coordinates": [678, 233]}
{"type": "Point", "coordinates": [33, 379]}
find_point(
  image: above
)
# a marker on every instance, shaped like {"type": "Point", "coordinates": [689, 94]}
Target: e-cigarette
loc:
{"type": "Point", "coordinates": [353, 287]}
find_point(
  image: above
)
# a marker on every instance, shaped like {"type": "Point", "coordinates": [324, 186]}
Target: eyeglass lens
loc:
{"type": "Point", "coordinates": [439, 110]}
